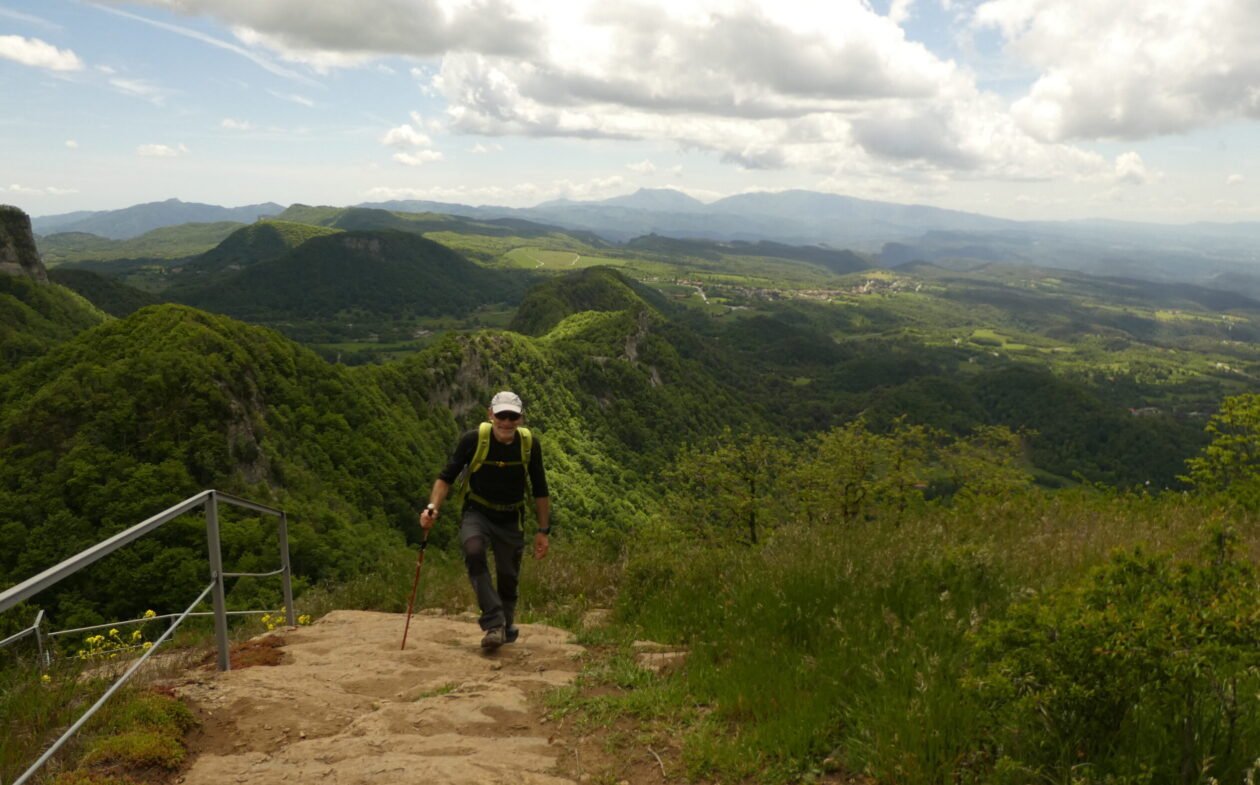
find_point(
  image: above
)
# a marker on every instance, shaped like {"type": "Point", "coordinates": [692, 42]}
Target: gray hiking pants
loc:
{"type": "Point", "coordinates": [501, 533]}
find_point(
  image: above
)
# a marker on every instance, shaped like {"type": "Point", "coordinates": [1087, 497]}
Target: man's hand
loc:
{"type": "Point", "coordinates": [428, 517]}
{"type": "Point", "coordinates": [541, 543]}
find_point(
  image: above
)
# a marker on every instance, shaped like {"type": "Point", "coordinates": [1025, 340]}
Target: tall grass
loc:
{"type": "Point", "coordinates": [854, 643]}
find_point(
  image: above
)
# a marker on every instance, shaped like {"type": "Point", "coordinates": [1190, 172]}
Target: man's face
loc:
{"type": "Point", "coordinates": [505, 425]}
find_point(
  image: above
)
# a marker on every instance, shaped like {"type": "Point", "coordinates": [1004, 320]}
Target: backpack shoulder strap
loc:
{"type": "Point", "coordinates": [527, 444]}
{"type": "Point", "coordinates": [483, 447]}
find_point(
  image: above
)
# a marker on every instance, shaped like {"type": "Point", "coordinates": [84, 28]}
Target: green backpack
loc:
{"type": "Point", "coordinates": [464, 482]}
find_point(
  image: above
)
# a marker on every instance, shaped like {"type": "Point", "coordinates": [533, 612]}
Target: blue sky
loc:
{"type": "Point", "coordinates": [1019, 108]}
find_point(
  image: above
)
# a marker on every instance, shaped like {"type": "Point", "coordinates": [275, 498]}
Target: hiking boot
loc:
{"type": "Point", "coordinates": [493, 639]}
{"type": "Point", "coordinates": [511, 634]}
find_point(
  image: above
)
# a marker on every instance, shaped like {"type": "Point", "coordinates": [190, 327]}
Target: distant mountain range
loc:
{"type": "Point", "coordinates": [1210, 254]}
{"type": "Point", "coordinates": [136, 220]}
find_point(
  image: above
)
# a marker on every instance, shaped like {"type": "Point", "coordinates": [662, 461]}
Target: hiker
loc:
{"type": "Point", "coordinates": [499, 456]}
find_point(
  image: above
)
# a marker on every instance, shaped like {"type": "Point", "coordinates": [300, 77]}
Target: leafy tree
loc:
{"type": "Point", "coordinates": [1231, 462]}
{"type": "Point", "coordinates": [850, 471]}
{"type": "Point", "coordinates": [728, 484]}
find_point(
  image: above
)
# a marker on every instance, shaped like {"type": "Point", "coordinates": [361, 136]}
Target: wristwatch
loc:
{"type": "Point", "coordinates": [432, 508]}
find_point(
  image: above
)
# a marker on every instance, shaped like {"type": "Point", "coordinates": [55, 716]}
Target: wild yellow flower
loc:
{"type": "Point", "coordinates": [45, 678]}
{"type": "Point", "coordinates": [304, 619]}
{"type": "Point", "coordinates": [113, 632]}
{"type": "Point", "coordinates": [135, 635]}
{"type": "Point", "coordinates": [149, 614]}
{"type": "Point", "coordinates": [148, 645]}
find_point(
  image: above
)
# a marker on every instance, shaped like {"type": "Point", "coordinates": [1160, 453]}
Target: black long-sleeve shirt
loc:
{"type": "Point", "coordinates": [500, 485]}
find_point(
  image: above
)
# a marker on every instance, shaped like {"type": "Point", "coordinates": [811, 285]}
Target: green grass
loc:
{"type": "Point", "coordinates": [136, 730]}
{"type": "Point", "coordinates": [851, 645]}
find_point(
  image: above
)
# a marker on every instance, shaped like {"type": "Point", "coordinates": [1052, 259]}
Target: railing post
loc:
{"type": "Point", "coordinates": [44, 659]}
{"type": "Point", "coordinates": [286, 577]}
{"type": "Point", "coordinates": [216, 575]}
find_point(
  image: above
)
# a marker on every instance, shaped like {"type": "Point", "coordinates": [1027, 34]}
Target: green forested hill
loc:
{"type": "Point", "coordinates": [259, 242]}
{"type": "Point", "coordinates": [109, 294]}
{"type": "Point", "coordinates": [136, 414]}
{"type": "Point", "coordinates": [379, 274]}
{"type": "Point", "coordinates": [35, 317]}
{"type": "Point", "coordinates": [592, 289]}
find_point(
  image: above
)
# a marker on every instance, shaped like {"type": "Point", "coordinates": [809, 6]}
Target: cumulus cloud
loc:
{"type": "Point", "coordinates": [72, 144]}
{"type": "Point", "coordinates": [485, 149]}
{"type": "Point", "coordinates": [1131, 170]}
{"type": "Point", "coordinates": [319, 60]}
{"type": "Point", "coordinates": [232, 124]}
{"type": "Point", "coordinates": [827, 86]}
{"type": "Point", "coordinates": [161, 151]}
{"type": "Point", "coordinates": [38, 54]}
{"type": "Point", "coordinates": [1119, 70]}
{"type": "Point", "coordinates": [642, 167]}
{"type": "Point", "coordinates": [408, 134]}
{"type": "Point", "coordinates": [1235, 179]}
{"type": "Point", "coordinates": [418, 158]}
{"type": "Point", "coordinates": [400, 27]}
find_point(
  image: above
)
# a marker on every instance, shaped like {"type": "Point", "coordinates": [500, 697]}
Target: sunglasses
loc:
{"type": "Point", "coordinates": [513, 416]}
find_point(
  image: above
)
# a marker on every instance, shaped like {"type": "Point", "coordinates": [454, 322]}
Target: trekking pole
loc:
{"type": "Point", "coordinates": [414, 585]}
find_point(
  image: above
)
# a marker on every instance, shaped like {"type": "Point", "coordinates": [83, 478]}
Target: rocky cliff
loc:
{"type": "Point", "coordinates": [18, 254]}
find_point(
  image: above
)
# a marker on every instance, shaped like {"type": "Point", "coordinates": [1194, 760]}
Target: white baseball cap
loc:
{"type": "Point", "coordinates": [506, 401]}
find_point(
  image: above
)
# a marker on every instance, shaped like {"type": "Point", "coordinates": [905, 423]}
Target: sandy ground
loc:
{"type": "Point", "coordinates": [346, 706]}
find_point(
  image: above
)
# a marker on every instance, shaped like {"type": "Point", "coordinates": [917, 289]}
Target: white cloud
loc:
{"type": "Point", "coordinates": [1235, 179]}
{"type": "Point", "coordinates": [380, 27]}
{"type": "Point", "coordinates": [49, 190]}
{"type": "Point", "coordinates": [319, 60]}
{"type": "Point", "coordinates": [140, 89]}
{"type": "Point", "coordinates": [826, 86]}
{"type": "Point", "coordinates": [38, 54]}
{"type": "Point", "coordinates": [642, 167]}
{"type": "Point", "coordinates": [484, 149]}
{"type": "Point", "coordinates": [1131, 170]}
{"type": "Point", "coordinates": [294, 98]}
{"type": "Point", "coordinates": [1122, 70]}
{"type": "Point", "coordinates": [231, 124]}
{"type": "Point", "coordinates": [514, 195]}
{"type": "Point", "coordinates": [408, 134]}
{"type": "Point", "coordinates": [899, 10]}
{"type": "Point", "coordinates": [72, 144]}
{"type": "Point", "coordinates": [161, 151]}
{"type": "Point", "coordinates": [418, 158]}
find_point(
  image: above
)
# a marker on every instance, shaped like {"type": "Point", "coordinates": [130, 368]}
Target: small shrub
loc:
{"type": "Point", "coordinates": [1146, 672]}
{"type": "Point", "coordinates": [136, 749]}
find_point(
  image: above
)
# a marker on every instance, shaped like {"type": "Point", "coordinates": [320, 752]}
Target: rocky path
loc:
{"type": "Point", "coordinates": [345, 705]}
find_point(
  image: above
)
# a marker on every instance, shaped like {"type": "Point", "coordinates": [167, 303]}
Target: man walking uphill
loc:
{"type": "Point", "coordinates": [500, 456]}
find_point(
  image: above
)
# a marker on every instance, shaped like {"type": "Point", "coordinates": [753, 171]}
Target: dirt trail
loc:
{"type": "Point", "coordinates": [346, 706]}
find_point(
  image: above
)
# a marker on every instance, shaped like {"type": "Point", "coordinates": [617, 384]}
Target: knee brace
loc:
{"type": "Point", "coordinates": [475, 556]}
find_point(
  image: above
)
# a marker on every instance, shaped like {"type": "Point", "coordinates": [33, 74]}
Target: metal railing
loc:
{"type": "Point", "coordinates": [210, 500]}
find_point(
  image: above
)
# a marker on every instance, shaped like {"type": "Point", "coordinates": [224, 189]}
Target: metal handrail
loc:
{"type": "Point", "coordinates": [59, 743]}
{"type": "Point", "coordinates": [209, 499]}
{"type": "Point", "coordinates": [34, 629]}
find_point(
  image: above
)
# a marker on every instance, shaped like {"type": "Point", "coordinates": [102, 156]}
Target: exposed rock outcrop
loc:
{"type": "Point", "coordinates": [18, 254]}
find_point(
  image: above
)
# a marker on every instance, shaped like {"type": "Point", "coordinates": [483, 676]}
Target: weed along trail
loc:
{"type": "Point", "coordinates": [344, 705]}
